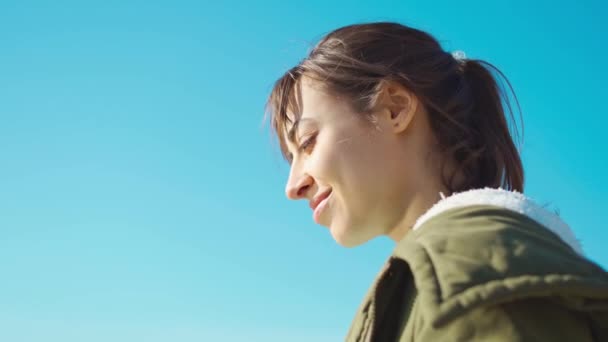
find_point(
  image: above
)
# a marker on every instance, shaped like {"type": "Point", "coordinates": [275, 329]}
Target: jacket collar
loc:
{"type": "Point", "coordinates": [510, 200]}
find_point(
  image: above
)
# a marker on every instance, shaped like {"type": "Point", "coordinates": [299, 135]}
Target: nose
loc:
{"type": "Point", "coordinates": [298, 186]}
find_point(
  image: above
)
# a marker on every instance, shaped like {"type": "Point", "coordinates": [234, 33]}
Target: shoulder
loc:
{"type": "Point", "coordinates": [477, 255]}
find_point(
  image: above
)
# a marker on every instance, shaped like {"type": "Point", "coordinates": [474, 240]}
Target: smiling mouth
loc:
{"type": "Point", "coordinates": [317, 200]}
{"type": "Point", "coordinates": [319, 206]}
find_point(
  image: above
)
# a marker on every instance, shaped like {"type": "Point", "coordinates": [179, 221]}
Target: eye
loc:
{"type": "Point", "coordinates": [308, 144]}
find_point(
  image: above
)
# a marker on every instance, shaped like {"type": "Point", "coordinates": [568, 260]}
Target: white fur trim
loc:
{"type": "Point", "coordinates": [510, 200]}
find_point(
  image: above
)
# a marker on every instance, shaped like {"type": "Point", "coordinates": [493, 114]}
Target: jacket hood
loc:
{"type": "Point", "coordinates": [510, 200]}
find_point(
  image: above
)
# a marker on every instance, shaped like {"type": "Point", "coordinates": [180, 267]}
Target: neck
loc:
{"type": "Point", "coordinates": [425, 179]}
{"type": "Point", "coordinates": [419, 204]}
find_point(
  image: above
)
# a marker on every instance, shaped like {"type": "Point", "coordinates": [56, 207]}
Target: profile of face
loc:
{"type": "Point", "coordinates": [362, 178]}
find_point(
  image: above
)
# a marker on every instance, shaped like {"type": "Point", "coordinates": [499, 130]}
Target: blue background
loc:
{"type": "Point", "coordinates": [141, 196]}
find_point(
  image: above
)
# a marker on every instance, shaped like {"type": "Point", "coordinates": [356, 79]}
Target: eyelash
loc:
{"type": "Point", "coordinates": [306, 144]}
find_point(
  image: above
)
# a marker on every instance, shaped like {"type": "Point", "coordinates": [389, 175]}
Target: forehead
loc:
{"type": "Point", "coordinates": [313, 101]}
{"type": "Point", "coordinates": [299, 104]}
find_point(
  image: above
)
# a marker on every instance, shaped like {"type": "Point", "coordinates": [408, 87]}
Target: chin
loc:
{"type": "Point", "coordinates": [346, 237]}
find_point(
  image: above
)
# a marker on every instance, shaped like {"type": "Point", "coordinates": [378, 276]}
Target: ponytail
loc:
{"type": "Point", "coordinates": [498, 163]}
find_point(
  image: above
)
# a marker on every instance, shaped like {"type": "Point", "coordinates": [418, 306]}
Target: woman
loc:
{"type": "Point", "coordinates": [387, 134]}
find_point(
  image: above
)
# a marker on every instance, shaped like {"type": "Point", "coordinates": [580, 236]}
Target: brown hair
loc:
{"type": "Point", "coordinates": [465, 102]}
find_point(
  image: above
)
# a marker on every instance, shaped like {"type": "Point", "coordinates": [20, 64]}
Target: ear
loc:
{"type": "Point", "coordinates": [398, 105]}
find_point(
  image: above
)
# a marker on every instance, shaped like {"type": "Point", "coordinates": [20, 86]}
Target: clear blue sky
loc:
{"type": "Point", "coordinates": [141, 199]}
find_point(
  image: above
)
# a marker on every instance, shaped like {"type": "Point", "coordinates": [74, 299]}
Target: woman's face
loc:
{"type": "Point", "coordinates": [353, 172]}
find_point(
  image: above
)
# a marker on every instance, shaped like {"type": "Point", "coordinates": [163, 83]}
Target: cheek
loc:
{"type": "Point", "coordinates": [368, 178]}
{"type": "Point", "coordinates": [326, 166]}
{"type": "Point", "coordinates": [354, 166]}
{"type": "Point", "coordinates": [362, 160]}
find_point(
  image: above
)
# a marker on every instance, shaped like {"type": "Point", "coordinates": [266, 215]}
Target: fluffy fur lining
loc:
{"type": "Point", "coordinates": [510, 200]}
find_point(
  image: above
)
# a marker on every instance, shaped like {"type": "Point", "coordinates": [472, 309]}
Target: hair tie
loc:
{"type": "Point", "coordinates": [459, 55]}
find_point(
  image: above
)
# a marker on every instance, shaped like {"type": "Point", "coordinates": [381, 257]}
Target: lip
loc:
{"type": "Point", "coordinates": [314, 203]}
{"type": "Point", "coordinates": [320, 206]}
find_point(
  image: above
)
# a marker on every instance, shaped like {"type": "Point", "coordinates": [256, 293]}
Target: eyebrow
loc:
{"type": "Point", "coordinates": [291, 134]}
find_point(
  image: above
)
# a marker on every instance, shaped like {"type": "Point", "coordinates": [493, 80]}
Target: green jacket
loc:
{"type": "Point", "coordinates": [485, 273]}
